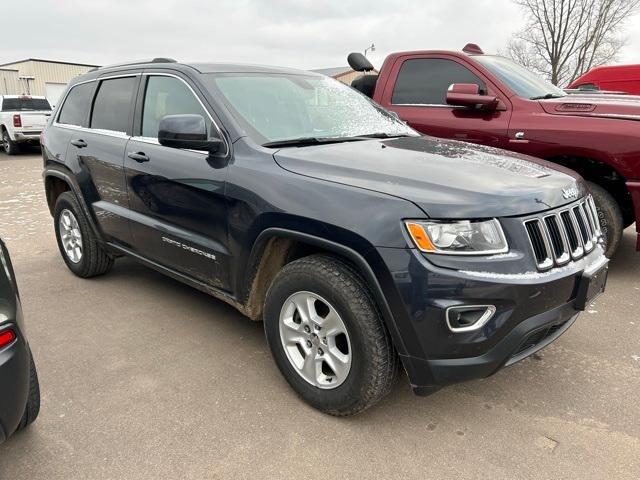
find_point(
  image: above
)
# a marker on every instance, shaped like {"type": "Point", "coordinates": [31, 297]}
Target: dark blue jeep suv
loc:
{"type": "Point", "coordinates": [363, 246]}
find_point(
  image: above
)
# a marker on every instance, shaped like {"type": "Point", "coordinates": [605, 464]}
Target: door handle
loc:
{"type": "Point", "coordinates": [139, 157]}
{"type": "Point", "coordinates": [79, 143]}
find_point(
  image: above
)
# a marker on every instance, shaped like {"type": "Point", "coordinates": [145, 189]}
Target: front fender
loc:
{"type": "Point", "coordinates": [365, 263]}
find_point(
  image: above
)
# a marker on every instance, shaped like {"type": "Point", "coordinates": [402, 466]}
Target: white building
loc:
{"type": "Point", "coordinates": [39, 77]}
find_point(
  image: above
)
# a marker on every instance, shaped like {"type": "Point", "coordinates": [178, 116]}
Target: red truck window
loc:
{"type": "Point", "coordinates": [425, 81]}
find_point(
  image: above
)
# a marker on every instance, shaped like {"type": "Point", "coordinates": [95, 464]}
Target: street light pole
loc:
{"type": "Point", "coordinates": [372, 48]}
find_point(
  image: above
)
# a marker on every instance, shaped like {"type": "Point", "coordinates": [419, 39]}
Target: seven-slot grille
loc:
{"type": "Point", "coordinates": [569, 234]}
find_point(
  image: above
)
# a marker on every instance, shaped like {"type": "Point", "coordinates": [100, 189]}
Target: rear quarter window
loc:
{"type": "Point", "coordinates": [76, 106]}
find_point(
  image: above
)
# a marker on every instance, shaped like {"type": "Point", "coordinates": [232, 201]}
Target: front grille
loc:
{"type": "Point", "coordinates": [569, 234]}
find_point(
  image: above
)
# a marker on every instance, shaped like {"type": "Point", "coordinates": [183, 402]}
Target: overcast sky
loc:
{"type": "Point", "coordinates": [296, 33]}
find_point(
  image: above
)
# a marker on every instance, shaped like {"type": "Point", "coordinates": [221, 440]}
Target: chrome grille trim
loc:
{"type": "Point", "coordinates": [567, 234]}
{"type": "Point", "coordinates": [561, 253]}
{"type": "Point", "coordinates": [539, 240]}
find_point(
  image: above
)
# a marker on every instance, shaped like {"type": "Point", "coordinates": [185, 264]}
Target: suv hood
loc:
{"type": "Point", "coordinates": [626, 107]}
{"type": "Point", "coordinates": [446, 179]}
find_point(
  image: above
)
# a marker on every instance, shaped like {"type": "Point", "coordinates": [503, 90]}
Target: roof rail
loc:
{"type": "Point", "coordinates": [138, 62]}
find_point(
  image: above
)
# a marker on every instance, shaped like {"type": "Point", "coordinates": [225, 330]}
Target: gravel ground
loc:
{"type": "Point", "coordinates": [145, 378]}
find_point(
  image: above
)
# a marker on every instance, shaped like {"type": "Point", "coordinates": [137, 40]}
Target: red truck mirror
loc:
{"type": "Point", "coordinates": [468, 95]}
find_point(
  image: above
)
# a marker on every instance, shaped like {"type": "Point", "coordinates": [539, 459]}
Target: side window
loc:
{"type": "Point", "coordinates": [113, 104]}
{"type": "Point", "coordinates": [425, 81]}
{"type": "Point", "coordinates": [168, 96]}
{"type": "Point", "coordinates": [76, 106]}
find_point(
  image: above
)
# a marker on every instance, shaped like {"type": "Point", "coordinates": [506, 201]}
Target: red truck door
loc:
{"type": "Point", "coordinates": [416, 90]}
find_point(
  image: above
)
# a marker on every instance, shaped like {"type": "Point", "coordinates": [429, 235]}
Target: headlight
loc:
{"type": "Point", "coordinates": [458, 238]}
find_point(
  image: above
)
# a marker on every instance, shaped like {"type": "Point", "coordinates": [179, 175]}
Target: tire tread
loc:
{"type": "Point", "coordinates": [384, 366]}
{"type": "Point", "coordinates": [96, 260]}
{"type": "Point", "coordinates": [32, 408]}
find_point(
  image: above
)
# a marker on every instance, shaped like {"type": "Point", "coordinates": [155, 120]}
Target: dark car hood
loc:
{"type": "Point", "coordinates": [447, 179]}
{"type": "Point", "coordinates": [625, 107]}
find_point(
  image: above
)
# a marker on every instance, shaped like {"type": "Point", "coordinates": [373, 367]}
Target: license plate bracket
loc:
{"type": "Point", "coordinates": [592, 284]}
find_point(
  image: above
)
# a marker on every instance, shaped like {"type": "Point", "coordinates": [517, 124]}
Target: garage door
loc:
{"type": "Point", "coordinates": [54, 92]}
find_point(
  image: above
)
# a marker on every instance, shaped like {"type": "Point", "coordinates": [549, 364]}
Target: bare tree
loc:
{"type": "Point", "coordinates": [565, 38]}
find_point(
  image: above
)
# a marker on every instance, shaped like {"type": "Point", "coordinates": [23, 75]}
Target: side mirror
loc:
{"type": "Point", "coordinates": [187, 131]}
{"type": "Point", "coordinates": [468, 95]}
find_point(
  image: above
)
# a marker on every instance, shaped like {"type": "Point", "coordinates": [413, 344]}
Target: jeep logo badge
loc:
{"type": "Point", "coordinates": [568, 193]}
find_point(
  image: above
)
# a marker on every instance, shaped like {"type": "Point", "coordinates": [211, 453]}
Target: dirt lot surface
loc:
{"type": "Point", "coordinates": [145, 378]}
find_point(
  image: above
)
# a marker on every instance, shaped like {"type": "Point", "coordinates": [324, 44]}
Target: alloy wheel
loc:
{"type": "Point", "coordinates": [315, 340]}
{"type": "Point", "coordinates": [70, 235]}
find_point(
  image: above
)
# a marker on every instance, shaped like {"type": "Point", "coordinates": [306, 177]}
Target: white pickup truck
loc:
{"type": "Point", "coordinates": [22, 120]}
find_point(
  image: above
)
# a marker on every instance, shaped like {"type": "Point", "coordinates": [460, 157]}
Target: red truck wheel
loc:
{"type": "Point", "coordinates": [610, 217]}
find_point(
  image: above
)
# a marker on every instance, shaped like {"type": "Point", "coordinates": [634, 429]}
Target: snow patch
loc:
{"type": "Point", "coordinates": [534, 275]}
{"type": "Point", "coordinates": [503, 255]}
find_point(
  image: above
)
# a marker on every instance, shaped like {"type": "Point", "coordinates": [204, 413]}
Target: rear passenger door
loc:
{"type": "Point", "coordinates": [419, 92]}
{"type": "Point", "coordinates": [179, 211]}
{"type": "Point", "coordinates": [97, 152]}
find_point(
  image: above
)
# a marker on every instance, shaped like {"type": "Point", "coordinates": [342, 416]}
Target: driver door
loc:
{"type": "Point", "coordinates": [419, 97]}
{"type": "Point", "coordinates": [177, 196]}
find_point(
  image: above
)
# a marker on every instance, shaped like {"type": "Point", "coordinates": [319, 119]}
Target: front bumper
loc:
{"type": "Point", "coordinates": [532, 310]}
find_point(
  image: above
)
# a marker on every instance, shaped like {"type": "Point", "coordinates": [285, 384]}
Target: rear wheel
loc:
{"type": "Point", "coordinates": [79, 247]}
{"type": "Point", "coordinates": [9, 146]}
{"type": "Point", "coordinates": [610, 216]}
{"type": "Point", "coordinates": [327, 336]}
{"type": "Point", "coordinates": [32, 409]}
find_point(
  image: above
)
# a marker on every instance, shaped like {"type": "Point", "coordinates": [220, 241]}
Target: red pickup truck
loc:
{"type": "Point", "coordinates": [491, 100]}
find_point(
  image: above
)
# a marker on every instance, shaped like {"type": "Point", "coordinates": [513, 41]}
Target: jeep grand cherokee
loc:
{"type": "Point", "coordinates": [361, 244]}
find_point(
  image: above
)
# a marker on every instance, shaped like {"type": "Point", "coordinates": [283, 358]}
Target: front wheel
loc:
{"type": "Point", "coordinates": [327, 336]}
{"type": "Point", "coordinates": [610, 216]}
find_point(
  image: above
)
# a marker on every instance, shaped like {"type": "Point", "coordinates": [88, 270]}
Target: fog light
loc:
{"type": "Point", "coordinates": [6, 338]}
{"type": "Point", "coordinates": [468, 318]}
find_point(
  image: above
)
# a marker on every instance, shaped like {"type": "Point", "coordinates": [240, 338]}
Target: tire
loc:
{"type": "Point", "coordinates": [91, 259]}
{"type": "Point", "coordinates": [610, 216]}
{"type": "Point", "coordinates": [9, 146]}
{"type": "Point", "coordinates": [32, 409]}
{"type": "Point", "coordinates": [335, 287]}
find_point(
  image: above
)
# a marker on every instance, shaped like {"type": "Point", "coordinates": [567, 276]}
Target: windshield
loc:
{"type": "Point", "coordinates": [22, 104]}
{"type": "Point", "coordinates": [524, 83]}
{"type": "Point", "coordinates": [280, 107]}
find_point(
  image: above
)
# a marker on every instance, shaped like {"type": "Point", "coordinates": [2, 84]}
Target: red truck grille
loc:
{"type": "Point", "coordinates": [560, 237]}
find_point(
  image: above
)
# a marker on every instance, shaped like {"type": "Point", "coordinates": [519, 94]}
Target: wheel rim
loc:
{"type": "Point", "coordinates": [5, 143]}
{"type": "Point", "coordinates": [315, 340]}
{"type": "Point", "coordinates": [70, 235]}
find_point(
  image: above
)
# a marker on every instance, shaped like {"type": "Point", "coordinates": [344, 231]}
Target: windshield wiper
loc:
{"type": "Point", "coordinates": [548, 96]}
{"type": "Point", "coordinates": [308, 141]}
{"type": "Point", "coordinates": [383, 135]}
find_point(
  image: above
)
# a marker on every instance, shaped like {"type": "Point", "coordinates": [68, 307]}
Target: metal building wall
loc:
{"type": "Point", "coordinates": [349, 77]}
{"type": "Point", "coordinates": [9, 82]}
{"type": "Point", "coordinates": [46, 72]}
